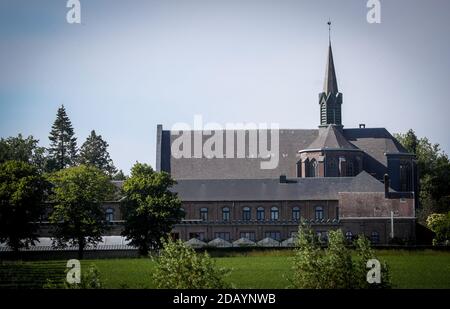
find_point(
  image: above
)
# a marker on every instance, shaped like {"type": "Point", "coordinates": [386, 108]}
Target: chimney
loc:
{"type": "Point", "coordinates": [386, 185]}
{"type": "Point", "coordinates": [362, 125]}
{"type": "Point", "coordinates": [283, 179]}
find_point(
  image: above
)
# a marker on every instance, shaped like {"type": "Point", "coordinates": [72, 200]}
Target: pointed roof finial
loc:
{"type": "Point", "coordinates": [329, 30]}
{"type": "Point", "coordinates": [330, 84]}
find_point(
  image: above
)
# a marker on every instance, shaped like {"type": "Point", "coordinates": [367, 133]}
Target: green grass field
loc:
{"type": "Point", "coordinates": [269, 269]}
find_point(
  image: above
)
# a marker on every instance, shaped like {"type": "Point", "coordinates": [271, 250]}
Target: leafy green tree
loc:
{"type": "Point", "coordinates": [365, 253]}
{"type": "Point", "coordinates": [63, 143]}
{"type": "Point", "coordinates": [426, 153]}
{"type": "Point", "coordinates": [22, 149]}
{"type": "Point", "coordinates": [149, 208]}
{"type": "Point", "coordinates": [332, 267]}
{"type": "Point", "coordinates": [307, 263]}
{"type": "Point", "coordinates": [434, 171]}
{"type": "Point", "coordinates": [338, 263]}
{"type": "Point", "coordinates": [78, 216]}
{"type": "Point", "coordinates": [180, 267]}
{"type": "Point", "coordinates": [94, 152]}
{"type": "Point", "coordinates": [408, 140]}
{"type": "Point", "coordinates": [440, 225]}
{"type": "Point", "coordinates": [22, 195]}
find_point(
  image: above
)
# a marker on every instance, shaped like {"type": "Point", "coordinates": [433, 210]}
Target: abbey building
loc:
{"type": "Point", "coordinates": [360, 180]}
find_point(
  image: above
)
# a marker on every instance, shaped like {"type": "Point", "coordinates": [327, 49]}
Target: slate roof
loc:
{"type": "Point", "coordinates": [272, 190]}
{"type": "Point", "coordinates": [330, 84]}
{"type": "Point", "coordinates": [331, 137]}
{"type": "Point", "coordinates": [375, 142]}
{"type": "Point", "coordinates": [290, 142]}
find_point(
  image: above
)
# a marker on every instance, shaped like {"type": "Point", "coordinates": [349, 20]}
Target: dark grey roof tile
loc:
{"type": "Point", "coordinates": [272, 190]}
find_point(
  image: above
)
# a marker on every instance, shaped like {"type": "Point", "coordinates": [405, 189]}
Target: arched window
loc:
{"type": "Point", "coordinates": [274, 214]}
{"type": "Point", "coordinates": [312, 168]}
{"type": "Point", "coordinates": [225, 214]}
{"type": "Point", "coordinates": [260, 215]}
{"type": "Point", "coordinates": [299, 169]}
{"type": "Point", "coordinates": [109, 215]}
{"type": "Point", "coordinates": [349, 236]}
{"type": "Point", "coordinates": [350, 168]}
{"type": "Point", "coordinates": [295, 213]}
{"type": "Point", "coordinates": [375, 237]}
{"type": "Point", "coordinates": [405, 176]}
{"type": "Point", "coordinates": [204, 214]}
{"type": "Point", "coordinates": [332, 167]}
{"type": "Point", "coordinates": [319, 213]}
{"type": "Point", "coordinates": [246, 214]}
{"type": "Point", "coordinates": [356, 166]}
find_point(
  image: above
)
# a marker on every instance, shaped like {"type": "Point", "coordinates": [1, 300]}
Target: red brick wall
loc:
{"type": "Point", "coordinates": [373, 204]}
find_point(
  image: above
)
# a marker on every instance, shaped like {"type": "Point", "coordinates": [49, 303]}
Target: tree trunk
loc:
{"type": "Point", "coordinates": [143, 250]}
{"type": "Point", "coordinates": [80, 248]}
{"type": "Point", "coordinates": [14, 245]}
{"type": "Point", "coordinates": [16, 253]}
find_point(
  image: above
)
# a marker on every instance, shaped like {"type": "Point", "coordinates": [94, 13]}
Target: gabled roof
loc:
{"type": "Point", "coordinates": [268, 242]}
{"type": "Point", "coordinates": [195, 243]}
{"type": "Point", "coordinates": [330, 138]}
{"type": "Point", "coordinates": [220, 243]}
{"type": "Point", "coordinates": [243, 242]}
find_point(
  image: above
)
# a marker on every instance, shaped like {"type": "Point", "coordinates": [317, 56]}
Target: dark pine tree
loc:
{"type": "Point", "coordinates": [119, 176]}
{"type": "Point", "coordinates": [63, 143]}
{"type": "Point", "coordinates": [94, 152]}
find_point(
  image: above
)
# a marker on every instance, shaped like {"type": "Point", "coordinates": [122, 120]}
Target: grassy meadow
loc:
{"type": "Point", "coordinates": [258, 269]}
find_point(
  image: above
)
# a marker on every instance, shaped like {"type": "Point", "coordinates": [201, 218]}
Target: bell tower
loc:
{"type": "Point", "coordinates": [330, 100]}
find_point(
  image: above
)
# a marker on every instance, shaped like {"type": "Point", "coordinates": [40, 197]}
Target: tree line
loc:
{"type": "Point", "coordinates": [62, 152]}
{"type": "Point", "coordinates": [68, 187]}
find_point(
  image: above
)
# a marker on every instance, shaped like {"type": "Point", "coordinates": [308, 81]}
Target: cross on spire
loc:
{"type": "Point", "coordinates": [329, 31]}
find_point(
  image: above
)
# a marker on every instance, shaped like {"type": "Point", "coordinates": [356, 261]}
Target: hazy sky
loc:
{"type": "Point", "coordinates": [133, 64]}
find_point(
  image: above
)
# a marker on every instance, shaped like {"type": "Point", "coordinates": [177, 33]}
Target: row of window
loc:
{"type": "Point", "coordinates": [323, 235]}
{"type": "Point", "coordinates": [374, 237]}
{"type": "Point", "coordinates": [332, 168]}
{"type": "Point", "coordinates": [227, 235]}
{"type": "Point", "coordinates": [246, 214]}
{"type": "Point", "coordinates": [261, 213]}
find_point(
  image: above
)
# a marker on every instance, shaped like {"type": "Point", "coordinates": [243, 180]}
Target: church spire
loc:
{"type": "Point", "coordinates": [330, 83]}
{"type": "Point", "coordinates": [330, 99]}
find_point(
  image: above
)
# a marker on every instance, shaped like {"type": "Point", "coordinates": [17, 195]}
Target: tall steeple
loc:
{"type": "Point", "coordinates": [330, 99]}
{"type": "Point", "coordinates": [330, 82]}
